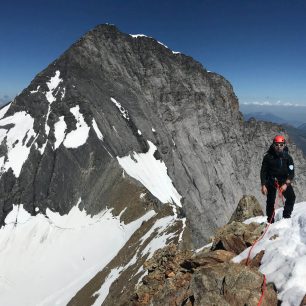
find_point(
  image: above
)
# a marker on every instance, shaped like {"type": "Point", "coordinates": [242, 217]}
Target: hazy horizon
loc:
{"type": "Point", "coordinates": [294, 115]}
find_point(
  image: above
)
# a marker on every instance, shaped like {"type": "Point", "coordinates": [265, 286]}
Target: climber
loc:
{"type": "Point", "coordinates": [277, 171]}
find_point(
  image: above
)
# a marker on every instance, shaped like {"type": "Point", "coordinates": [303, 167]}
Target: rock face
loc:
{"type": "Point", "coordinates": [118, 92]}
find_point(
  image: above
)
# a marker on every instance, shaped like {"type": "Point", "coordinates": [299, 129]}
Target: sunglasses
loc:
{"type": "Point", "coordinates": [279, 144]}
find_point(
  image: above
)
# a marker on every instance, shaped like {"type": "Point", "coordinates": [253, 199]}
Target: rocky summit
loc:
{"type": "Point", "coordinates": [124, 129]}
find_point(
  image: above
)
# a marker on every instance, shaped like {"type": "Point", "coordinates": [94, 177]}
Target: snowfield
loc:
{"type": "Point", "coordinates": [152, 173]}
{"type": "Point", "coordinates": [46, 260]}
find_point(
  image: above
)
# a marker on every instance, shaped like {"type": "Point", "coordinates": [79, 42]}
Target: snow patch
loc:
{"type": "Point", "coordinates": [142, 195]}
{"type": "Point", "coordinates": [115, 130]}
{"type": "Point", "coordinates": [152, 174]}
{"type": "Point", "coordinates": [122, 110]}
{"type": "Point", "coordinates": [139, 35]}
{"type": "Point", "coordinates": [142, 35]}
{"type": "Point", "coordinates": [109, 153]}
{"type": "Point", "coordinates": [34, 91]}
{"type": "Point", "coordinates": [209, 245]}
{"type": "Point", "coordinates": [259, 219]}
{"type": "Point", "coordinates": [97, 130]}
{"type": "Point", "coordinates": [162, 44]}
{"type": "Point", "coordinates": [77, 137]}
{"type": "Point", "coordinates": [4, 109]}
{"type": "Point", "coordinates": [52, 85]}
{"type": "Point", "coordinates": [63, 93]}
{"type": "Point", "coordinates": [161, 236]}
{"type": "Point", "coordinates": [17, 138]}
{"type": "Point", "coordinates": [17, 215]}
{"type": "Point", "coordinates": [183, 228]}
{"type": "Point", "coordinates": [59, 131]}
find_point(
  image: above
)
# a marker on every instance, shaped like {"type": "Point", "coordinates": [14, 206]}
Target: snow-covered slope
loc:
{"type": "Point", "coordinates": [284, 261]}
{"type": "Point", "coordinates": [45, 260]}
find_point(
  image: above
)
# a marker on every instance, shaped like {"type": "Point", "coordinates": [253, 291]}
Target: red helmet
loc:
{"type": "Point", "coordinates": [279, 139]}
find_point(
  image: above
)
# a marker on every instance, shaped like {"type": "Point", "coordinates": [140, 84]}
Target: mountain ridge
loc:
{"type": "Point", "coordinates": [113, 97]}
{"type": "Point", "coordinates": [106, 64]}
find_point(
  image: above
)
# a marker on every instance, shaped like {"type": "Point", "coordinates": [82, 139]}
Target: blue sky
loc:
{"type": "Point", "coordinates": [259, 46]}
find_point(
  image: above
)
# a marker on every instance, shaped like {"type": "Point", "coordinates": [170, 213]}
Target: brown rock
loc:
{"type": "Point", "coordinates": [170, 274]}
{"type": "Point", "coordinates": [256, 261]}
{"type": "Point", "coordinates": [236, 237]}
{"type": "Point", "coordinates": [248, 207]}
{"type": "Point", "coordinates": [144, 299]}
{"type": "Point", "coordinates": [165, 283]}
{"type": "Point", "coordinates": [303, 303]}
{"type": "Point", "coordinates": [230, 284]}
{"type": "Point", "coordinates": [212, 257]}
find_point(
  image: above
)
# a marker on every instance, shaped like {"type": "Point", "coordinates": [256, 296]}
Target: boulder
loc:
{"type": "Point", "coordinates": [211, 258]}
{"type": "Point", "coordinates": [248, 207]}
{"type": "Point", "coordinates": [230, 284]}
{"type": "Point", "coordinates": [236, 237]}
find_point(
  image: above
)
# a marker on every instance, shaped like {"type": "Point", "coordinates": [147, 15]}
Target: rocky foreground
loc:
{"type": "Point", "coordinates": [208, 277]}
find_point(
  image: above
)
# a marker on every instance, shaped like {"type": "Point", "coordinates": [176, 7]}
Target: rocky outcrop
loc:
{"type": "Point", "coordinates": [230, 284]}
{"type": "Point", "coordinates": [236, 237]}
{"type": "Point", "coordinates": [182, 278]}
{"type": "Point", "coordinates": [248, 207]}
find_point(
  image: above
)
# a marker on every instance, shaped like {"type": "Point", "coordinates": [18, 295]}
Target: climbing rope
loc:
{"type": "Point", "coordinates": [264, 286]}
{"type": "Point", "coordinates": [279, 195]}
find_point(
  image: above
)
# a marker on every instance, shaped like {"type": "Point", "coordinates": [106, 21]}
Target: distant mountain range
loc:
{"type": "Point", "coordinates": [293, 115]}
{"type": "Point", "coordinates": [302, 127]}
{"type": "Point", "coordinates": [297, 134]}
{"type": "Point", "coordinates": [265, 116]}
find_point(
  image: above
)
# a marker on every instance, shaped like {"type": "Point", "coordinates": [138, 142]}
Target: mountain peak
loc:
{"type": "Point", "coordinates": [125, 129]}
